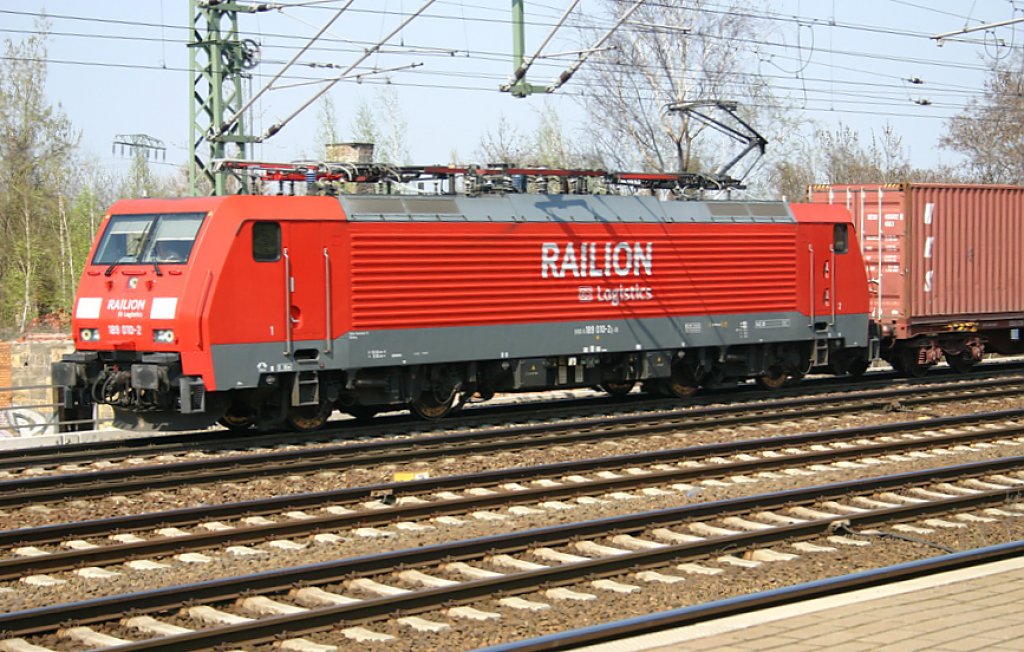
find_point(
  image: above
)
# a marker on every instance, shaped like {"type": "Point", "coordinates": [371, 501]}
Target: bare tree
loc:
{"type": "Point", "coordinates": [548, 145]}
{"type": "Point", "coordinates": [673, 51]}
{"type": "Point", "coordinates": [503, 143]}
{"type": "Point", "coordinates": [989, 132]}
{"type": "Point", "coordinates": [383, 124]}
{"type": "Point", "coordinates": [846, 160]}
{"type": "Point", "coordinates": [840, 156]}
{"type": "Point", "coordinates": [364, 124]}
{"type": "Point", "coordinates": [327, 126]}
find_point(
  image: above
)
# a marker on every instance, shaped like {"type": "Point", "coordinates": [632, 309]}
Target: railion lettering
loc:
{"type": "Point", "coordinates": [132, 305]}
{"type": "Point", "coordinates": [596, 259]}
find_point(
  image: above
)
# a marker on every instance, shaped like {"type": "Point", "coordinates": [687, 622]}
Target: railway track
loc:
{"type": "Point", "coordinates": [103, 542]}
{"type": "Point", "coordinates": [39, 489]}
{"type": "Point", "coordinates": [213, 442]}
{"type": "Point", "coordinates": [551, 568]}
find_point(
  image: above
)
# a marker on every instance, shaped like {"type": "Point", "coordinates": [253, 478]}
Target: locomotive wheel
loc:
{"type": "Point", "coordinates": [432, 407]}
{"type": "Point", "coordinates": [681, 384]}
{"type": "Point", "coordinates": [236, 422]}
{"type": "Point", "coordinates": [307, 418]}
{"type": "Point", "coordinates": [482, 395]}
{"type": "Point", "coordinates": [618, 388]}
{"type": "Point", "coordinates": [773, 379]}
{"type": "Point", "coordinates": [961, 364]}
{"type": "Point", "coordinates": [857, 367]}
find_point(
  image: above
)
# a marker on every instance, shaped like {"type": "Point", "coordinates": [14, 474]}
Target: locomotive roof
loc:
{"type": "Point", "coordinates": [557, 208]}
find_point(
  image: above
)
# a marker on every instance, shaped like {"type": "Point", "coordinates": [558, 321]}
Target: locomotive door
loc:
{"type": "Point", "coordinates": [306, 270]}
{"type": "Point", "coordinates": [820, 248]}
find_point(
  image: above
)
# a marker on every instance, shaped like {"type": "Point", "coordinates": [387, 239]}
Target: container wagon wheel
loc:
{"type": "Point", "coordinates": [307, 418]}
{"type": "Point", "coordinates": [961, 363]}
{"type": "Point", "coordinates": [618, 388]}
{"type": "Point", "coordinates": [774, 378]}
{"type": "Point", "coordinates": [432, 407]}
{"type": "Point", "coordinates": [908, 363]}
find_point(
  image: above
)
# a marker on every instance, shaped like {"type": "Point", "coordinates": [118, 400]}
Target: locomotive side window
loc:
{"type": "Point", "coordinates": [162, 238]}
{"type": "Point", "coordinates": [840, 238]}
{"type": "Point", "coordinates": [266, 242]}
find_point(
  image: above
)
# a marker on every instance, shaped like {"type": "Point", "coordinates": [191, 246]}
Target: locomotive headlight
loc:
{"type": "Point", "coordinates": [89, 335]}
{"type": "Point", "coordinates": [163, 335]}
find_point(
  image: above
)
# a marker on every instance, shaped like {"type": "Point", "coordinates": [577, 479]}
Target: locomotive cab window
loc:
{"type": "Point", "coordinates": [266, 242]}
{"type": "Point", "coordinates": [145, 239]}
{"type": "Point", "coordinates": [841, 238]}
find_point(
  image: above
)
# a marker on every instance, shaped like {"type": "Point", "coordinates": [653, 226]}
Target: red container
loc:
{"type": "Point", "coordinates": [939, 257]}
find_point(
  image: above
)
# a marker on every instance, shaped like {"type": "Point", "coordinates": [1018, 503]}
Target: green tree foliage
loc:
{"type": "Point", "coordinates": [38, 220]}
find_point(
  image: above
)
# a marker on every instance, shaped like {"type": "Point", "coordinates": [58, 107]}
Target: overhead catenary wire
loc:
{"type": "Point", "coordinates": [768, 43]}
{"type": "Point", "coordinates": [277, 126]}
{"type": "Point", "coordinates": [484, 55]}
{"type": "Point", "coordinates": [437, 16]}
{"type": "Point", "coordinates": [307, 80]}
{"type": "Point", "coordinates": [774, 17]}
{"type": "Point", "coordinates": [231, 121]}
{"type": "Point", "coordinates": [571, 70]}
{"type": "Point", "coordinates": [854, 94]}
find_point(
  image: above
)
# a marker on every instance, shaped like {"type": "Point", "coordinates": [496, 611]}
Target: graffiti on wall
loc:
{"type": "Point", "coordinates": [23, 422]}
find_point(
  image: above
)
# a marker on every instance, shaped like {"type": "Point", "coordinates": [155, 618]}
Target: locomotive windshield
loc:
{"type": "Point", "coordinates": [144, 239]}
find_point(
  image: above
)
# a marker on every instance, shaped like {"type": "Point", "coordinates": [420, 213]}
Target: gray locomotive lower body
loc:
{"type": "Point", "coordinates": [365, 371]}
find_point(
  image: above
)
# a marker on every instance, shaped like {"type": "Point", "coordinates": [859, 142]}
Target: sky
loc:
{"type": "Point", "coordinates": [120, 67]}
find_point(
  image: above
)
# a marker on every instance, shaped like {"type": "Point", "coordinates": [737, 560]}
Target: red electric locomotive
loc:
{"type": "Point", "coordinates": [270, 310]}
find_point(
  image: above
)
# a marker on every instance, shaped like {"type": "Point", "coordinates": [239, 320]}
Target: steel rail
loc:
{"type": "Point", "coordinates": [185, 442]}
{"type": "Point", "coordinates": [44, 619]}
{"type": "Point", "coordinates": [620, 630]}
{"type": "Point", "coordinates": [154, 476]}
{"type": "Point", "coordinates": [12, 568]}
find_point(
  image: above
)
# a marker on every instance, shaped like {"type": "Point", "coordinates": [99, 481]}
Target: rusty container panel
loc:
{"type": "Point", "coordinates": [939, 254]}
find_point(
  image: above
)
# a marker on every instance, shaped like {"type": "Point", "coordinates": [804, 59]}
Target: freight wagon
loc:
{"type": "Point", "coordinates": [261, 311]}
{"type": "Point", "coordinates": [944, 266]}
